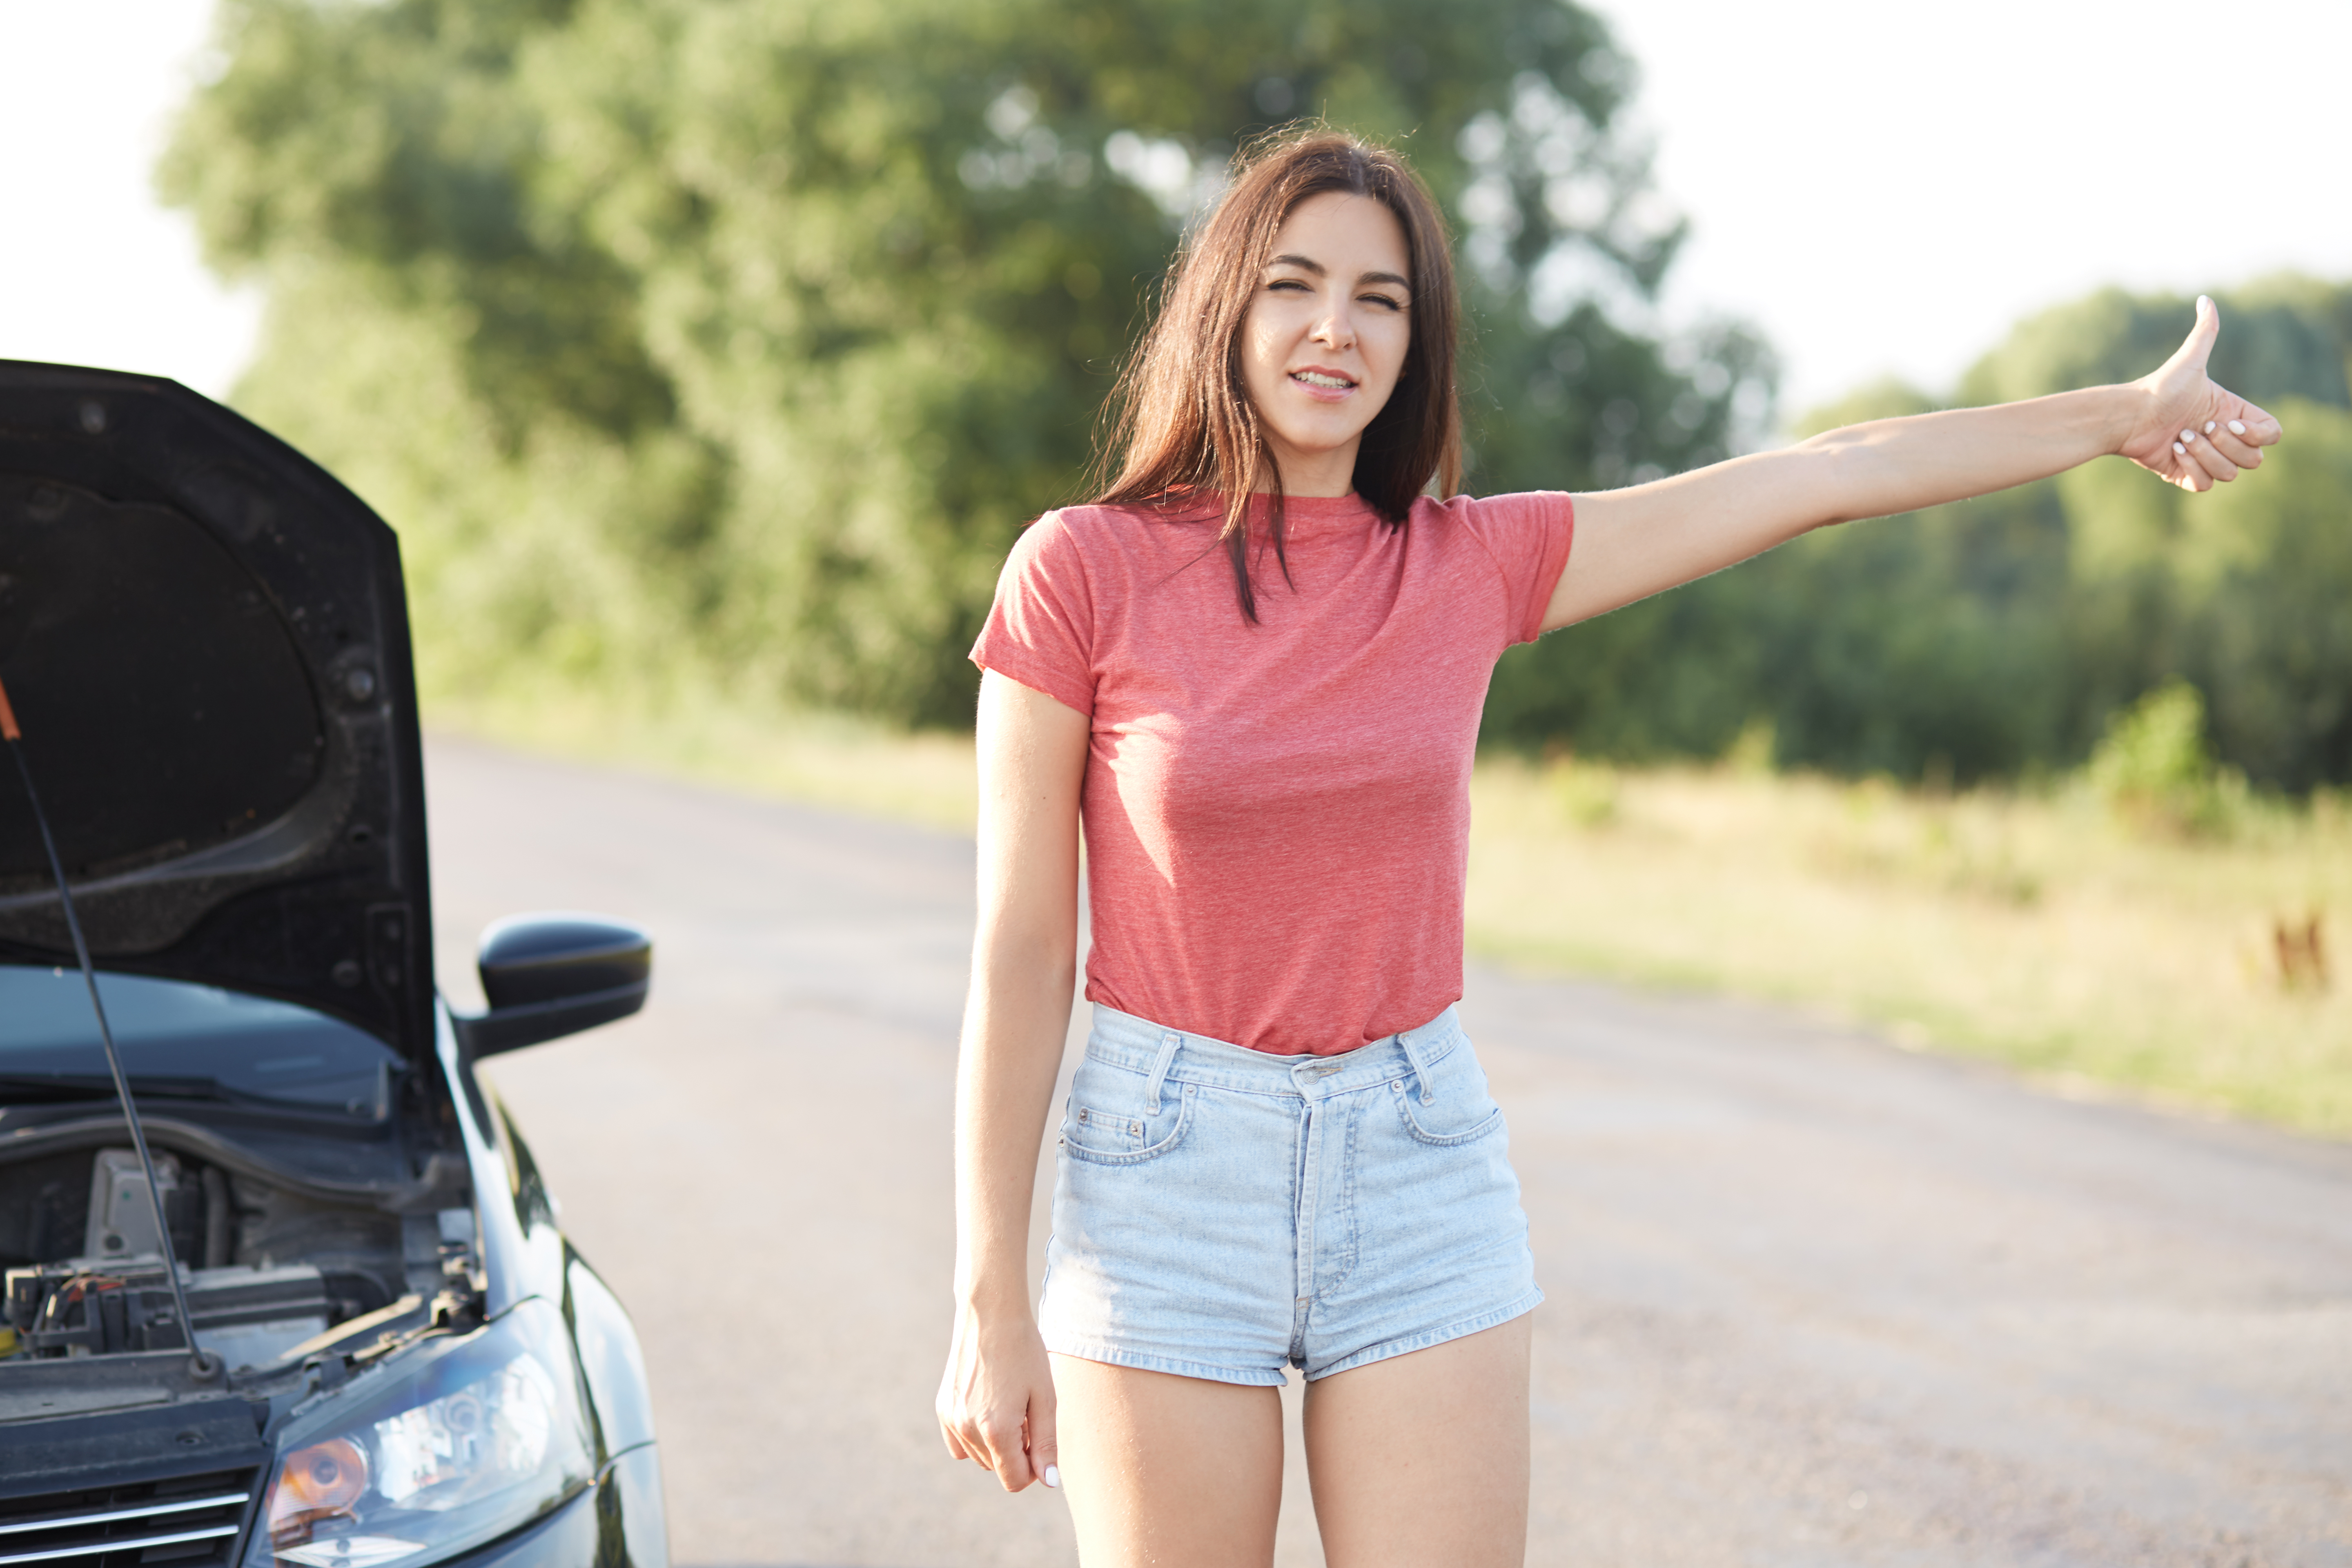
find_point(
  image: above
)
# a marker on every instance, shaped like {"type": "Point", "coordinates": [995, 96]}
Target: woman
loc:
{"type": "Point", "coordinates": [1254, 669]}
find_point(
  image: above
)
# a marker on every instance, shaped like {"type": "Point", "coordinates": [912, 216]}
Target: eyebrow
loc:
{"type": "Point", "coordinates": [1317, 268]}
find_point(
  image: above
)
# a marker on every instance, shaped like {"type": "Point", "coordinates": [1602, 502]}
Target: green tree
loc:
{"type": "Point", "coordinates": [734, 340]}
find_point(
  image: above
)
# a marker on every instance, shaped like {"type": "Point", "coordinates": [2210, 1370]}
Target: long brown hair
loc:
{"type": "Point", "coordinates": [1181, 423]}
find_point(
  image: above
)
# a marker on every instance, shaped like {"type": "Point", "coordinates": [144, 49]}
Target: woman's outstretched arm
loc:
{"type": "Point", "coordinates": [2175, 422]}
{"type": "Point", "coordinates": [996, 1400]}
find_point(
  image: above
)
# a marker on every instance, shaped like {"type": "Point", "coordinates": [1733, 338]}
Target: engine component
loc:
{"type": "Point", "coordinates": [248, 1317]}
{"type": "Point", "coordinates": [122, 1210]}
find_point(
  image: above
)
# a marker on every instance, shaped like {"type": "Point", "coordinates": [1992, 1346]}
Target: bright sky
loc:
{"type": "Point", "coordinates": [92, 272]}
{"type": "Point", "coordinates": [1881, 186]}
{"type": "Point", "coordinates": [1884, 185]}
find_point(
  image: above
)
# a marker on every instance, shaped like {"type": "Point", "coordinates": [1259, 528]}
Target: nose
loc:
{"type": "Point", "coordinates": [1337, 329]}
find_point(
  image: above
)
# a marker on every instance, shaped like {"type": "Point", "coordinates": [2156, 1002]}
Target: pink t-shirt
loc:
{"type": "Point", "coordinates": [1277, 816]}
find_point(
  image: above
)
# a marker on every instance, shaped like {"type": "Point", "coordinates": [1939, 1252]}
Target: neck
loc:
{"type": "Point", "coordinates": [1309, 474]}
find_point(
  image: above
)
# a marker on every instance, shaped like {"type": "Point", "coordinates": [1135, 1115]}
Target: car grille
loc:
{"type": "Point", "coordinates": [191, 1522]}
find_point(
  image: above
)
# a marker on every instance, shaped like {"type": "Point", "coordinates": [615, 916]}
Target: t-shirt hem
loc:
{"type": "Point", "coordinates": [1555, 561]}
{"type": "Point", "coordinates": [1040, 678]}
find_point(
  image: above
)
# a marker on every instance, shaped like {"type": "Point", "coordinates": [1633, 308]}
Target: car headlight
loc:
{"type": "Point", "coordinates": [445, 1447]}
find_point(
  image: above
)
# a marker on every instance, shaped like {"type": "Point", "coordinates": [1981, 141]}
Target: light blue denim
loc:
{"type": "Point", "coordinates": [1220, 1213]}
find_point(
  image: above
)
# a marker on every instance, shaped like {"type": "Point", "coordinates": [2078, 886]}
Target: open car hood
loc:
{"type": "Point", "coordinates": [206, 639]}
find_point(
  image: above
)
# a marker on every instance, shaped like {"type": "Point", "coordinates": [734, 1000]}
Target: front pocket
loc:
{"type": "Point", "coordinates": [1448, 1135]}
{"type": "Point", "coordinates": [1103, 1137]}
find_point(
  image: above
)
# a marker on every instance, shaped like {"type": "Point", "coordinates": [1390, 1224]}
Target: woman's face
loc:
{"type": "Point", "coordinates": [1327, 335]}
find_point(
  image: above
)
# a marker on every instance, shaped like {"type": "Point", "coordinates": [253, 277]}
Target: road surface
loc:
{"type": "Point", "coordinates": [1813, 1300]}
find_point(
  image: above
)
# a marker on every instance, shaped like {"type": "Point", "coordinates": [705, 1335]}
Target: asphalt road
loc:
{"type": "Point", "coordinates": [1813, 1300]}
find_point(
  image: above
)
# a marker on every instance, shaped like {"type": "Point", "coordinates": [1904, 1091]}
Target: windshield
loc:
{"type": "Point", "coordinates": [179, 1037]}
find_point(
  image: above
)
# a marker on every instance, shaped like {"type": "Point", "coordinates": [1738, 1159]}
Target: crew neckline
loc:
{"type": "Point", "coordinates": [1303, 516]}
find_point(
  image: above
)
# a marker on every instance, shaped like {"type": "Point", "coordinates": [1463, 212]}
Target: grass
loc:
{"type": "Point", "coordinates": [2042, 931]}
{"type": "Point", "coordinates": [2098, 953]}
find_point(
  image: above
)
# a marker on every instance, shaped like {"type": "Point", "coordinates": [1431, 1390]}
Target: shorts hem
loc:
{"type": "Point", "coordinates": [1208, 1371]}
{"type": "Point", "coordinates": [1408, 1344]}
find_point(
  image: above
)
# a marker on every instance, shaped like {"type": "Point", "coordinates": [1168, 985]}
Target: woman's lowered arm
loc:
{"type": "Point", "coordinates": [997, 1398]}
{"type": "Point", "coordinates": [2174, 422]}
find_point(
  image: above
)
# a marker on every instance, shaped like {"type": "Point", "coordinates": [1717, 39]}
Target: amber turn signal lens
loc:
{"type": "Point", "coordinates": [324, 1477]}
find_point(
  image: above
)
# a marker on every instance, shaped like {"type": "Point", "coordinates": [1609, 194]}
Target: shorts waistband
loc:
{"type": "Point", "coordinates": [1123, 1040]}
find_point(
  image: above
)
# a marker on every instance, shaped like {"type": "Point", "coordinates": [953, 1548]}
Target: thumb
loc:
{"type": "Point", "coordinates": [2199, 346]}
{"type": "Point", "coordinates": [1043, 1453]}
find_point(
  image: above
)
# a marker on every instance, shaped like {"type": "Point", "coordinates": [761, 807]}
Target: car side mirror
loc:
{"type": "Point", "coordinates": [546, 975]}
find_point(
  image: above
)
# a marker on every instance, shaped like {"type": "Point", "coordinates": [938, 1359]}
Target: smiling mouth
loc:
{"type": "Point", "coordinates": [1318, 378]}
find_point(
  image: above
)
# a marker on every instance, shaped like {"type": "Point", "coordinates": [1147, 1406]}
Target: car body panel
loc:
{"type": "Point", "coordinates": [204, 637]}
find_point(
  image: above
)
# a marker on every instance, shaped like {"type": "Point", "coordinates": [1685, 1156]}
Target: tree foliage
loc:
{"type": "Point", "coordinates": [734, 340]}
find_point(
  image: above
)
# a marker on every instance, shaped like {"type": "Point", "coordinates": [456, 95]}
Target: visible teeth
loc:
{"type": "Point", "coordinates": [1317, 378]}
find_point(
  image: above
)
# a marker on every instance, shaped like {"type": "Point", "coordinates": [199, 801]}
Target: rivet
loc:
{"type": "Point", "coordinates": [1135, 1129]}
{"type": "Point", "coordinates": [1082, 1116]}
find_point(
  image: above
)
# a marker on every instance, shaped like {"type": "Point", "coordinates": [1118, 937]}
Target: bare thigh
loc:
{"type": "Point", "coordinates": [1170, 1471]}
{"type": "Point", "coordinates": [1422, 1458]}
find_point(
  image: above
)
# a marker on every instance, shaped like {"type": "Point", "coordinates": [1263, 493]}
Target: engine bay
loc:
{"type": "Point", "coordinates": [272, 1274]}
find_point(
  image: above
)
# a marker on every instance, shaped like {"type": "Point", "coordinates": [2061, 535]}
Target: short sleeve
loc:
{"type": "Point", "coordinates": [1040, 631]}
{"type": "Point", "coordinates": [1529, 535]}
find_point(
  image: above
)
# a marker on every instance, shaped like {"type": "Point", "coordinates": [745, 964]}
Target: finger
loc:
{"type": "Point", "coordinates": [2197, 347]}
{"type": "Point", "coordinates": [2202, 452]}
{"type": "Point", "coordinates": [2261, 428]}
{"type": "Point", "coordinates": [966, 1437]}
{"type": "Point", "coordinates": [2232, 445]}
{"type": "Point", "coordinates": [1044, 1454]}
{"type": "Point", "coordinates": [1005, 1455]}
{"type": "Point", "coordinates": [2185, 471]}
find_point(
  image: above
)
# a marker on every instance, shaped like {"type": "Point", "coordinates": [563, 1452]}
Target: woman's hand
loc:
{"type": "Point", "coordinates": [2193, 433]}
{"type": "Point", "coordinates": [996, 1400]}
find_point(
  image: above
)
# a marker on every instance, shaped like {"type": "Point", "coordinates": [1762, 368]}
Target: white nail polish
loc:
{"type": "Point", "coordinates": [2209, 427]}
{"type": "Point", "coordinates": [2188, 435]}
{"type": "Point", "coordinates": [1052, 1476]}
{"type": "Point", "coordinates": [2179, 450]}
{"type": "Point", "coordinates": [2236, 428]}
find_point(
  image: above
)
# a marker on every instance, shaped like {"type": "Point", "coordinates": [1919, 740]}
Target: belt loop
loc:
{"type": "Point", "coordinates": [1167, 1043]}
{"type": "Point", "coordinates": [1420, 1068]}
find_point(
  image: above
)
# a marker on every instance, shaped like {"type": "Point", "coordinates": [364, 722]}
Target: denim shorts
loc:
{"type": "Point", "coordinates": [1220, 1213]}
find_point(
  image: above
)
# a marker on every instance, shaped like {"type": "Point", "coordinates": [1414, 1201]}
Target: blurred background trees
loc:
{"type": "Point", "coordinates": [726, 345]}
{"type": "Point", "coordinates": [698, 339]}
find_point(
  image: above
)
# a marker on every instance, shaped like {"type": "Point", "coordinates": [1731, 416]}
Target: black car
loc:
{"type": "Point", "coordinates": [398, 1359]}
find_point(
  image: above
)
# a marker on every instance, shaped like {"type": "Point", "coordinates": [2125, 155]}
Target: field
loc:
{"type": "Point", "coordinates": [2038, 930]}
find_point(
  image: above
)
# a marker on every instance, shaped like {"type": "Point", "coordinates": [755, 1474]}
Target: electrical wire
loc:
{"type": "Point", "coordinates": [200, 1362]}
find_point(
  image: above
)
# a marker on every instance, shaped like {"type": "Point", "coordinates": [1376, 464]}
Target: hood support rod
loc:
{"type": "Point", "coordinates": [200, 1364]}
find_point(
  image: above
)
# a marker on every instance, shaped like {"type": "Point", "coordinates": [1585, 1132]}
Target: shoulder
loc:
{"type": "Point", "coordinates": [1486, 516]}
{"type": "Point", "coordinates": [1100, 539]}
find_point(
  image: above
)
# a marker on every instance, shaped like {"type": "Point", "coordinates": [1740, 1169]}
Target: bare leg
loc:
{"type": "Point", "coordinates": [1177, 1472]}
{"type": "Point", "coordinates": [1422, 1458]}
